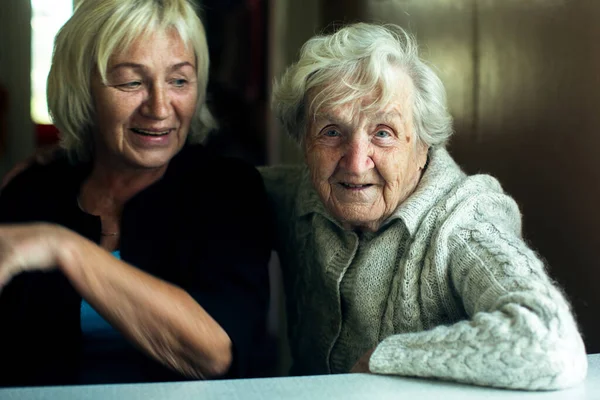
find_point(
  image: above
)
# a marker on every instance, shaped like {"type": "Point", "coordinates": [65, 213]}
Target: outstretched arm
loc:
{"type": "Point", "coordinates": [160, 318]}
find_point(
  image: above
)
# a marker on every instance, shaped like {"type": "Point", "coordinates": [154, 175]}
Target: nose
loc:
{"type": "Point", "coordinates": [158, 104]}
{"type": "Point", "coordinates": [357, 157]}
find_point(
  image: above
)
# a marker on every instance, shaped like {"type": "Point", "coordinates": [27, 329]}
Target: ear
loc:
{"type": "Point", "coordinates": [422, 155]}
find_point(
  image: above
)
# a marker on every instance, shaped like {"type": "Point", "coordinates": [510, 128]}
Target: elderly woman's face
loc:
{"type": "Point", "coordinates": [144, 111]}
{"type": "Point", "coordinates": [363, 165]}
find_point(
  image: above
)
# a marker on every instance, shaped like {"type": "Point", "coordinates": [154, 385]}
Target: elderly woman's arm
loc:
{"type": "Point", "coordinates": [521, 333]}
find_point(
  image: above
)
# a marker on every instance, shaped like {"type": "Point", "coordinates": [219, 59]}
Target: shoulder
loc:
{"type": "Point", "coordinates": [448, 197]}
{"type": "Point", "coordinates": [281, 173]}
{"type": "Point", "coordinates": [38, 187]}
{"type": "Point", "coordinates": [208, 180]}
{"type": "Point", "coordinates": [36, 177]}
{"type": "Point", "coordinates": [284, 184]}
{"type": "Point", "coordinates": [282, 181]}
{"type": "Point", "coordinates": [481, 199]}
{"type": "Point", "coordinates": [477, 224]}
{"type": "Point", "coordinates": [466, 196]}
{"type": "Point", "coordinates": [196, 162]}
{"type": "Point", "coordinates": [452, 200]}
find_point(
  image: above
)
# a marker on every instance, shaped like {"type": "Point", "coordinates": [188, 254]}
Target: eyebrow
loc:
{"type": "Point", "coordinates": [322, 117]}
{"type": "Point", "coordinates": [388, 116]}
{"type": "Point", "coordinates": [385, 116]}
{"type": "Point", "coordinates": [132, 65]}
{"type": "Point", "coordinates": [181, 65]}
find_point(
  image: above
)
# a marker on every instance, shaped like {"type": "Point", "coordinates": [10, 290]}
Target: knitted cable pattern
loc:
{"type": "Point", "coordinates": [520, 334]}
{"type": "Point", "coordinates": [446, 289]}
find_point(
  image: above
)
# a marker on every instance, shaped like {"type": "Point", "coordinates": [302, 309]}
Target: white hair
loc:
{"type": "Point", "coordinates": [96, 31]}
{"type": "Point", "coordinates": [353, 63]}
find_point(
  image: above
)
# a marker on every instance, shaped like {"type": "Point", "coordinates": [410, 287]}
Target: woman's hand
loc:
{"type": "Point", "coordinates": [29, 247]}
{"type": "Point", "coordinates": [362, 365]}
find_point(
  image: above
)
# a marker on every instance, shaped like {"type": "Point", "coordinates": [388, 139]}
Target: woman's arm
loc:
{"type": "Point", "coordinates": [218, 252]}
{"type": "Point", "coordinates": [520, 332]}
{"type": "Point", "coordinates": [160, 318]}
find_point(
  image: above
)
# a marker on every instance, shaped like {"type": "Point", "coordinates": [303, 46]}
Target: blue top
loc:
{"type": "Point", "coordinates": [107, 356]}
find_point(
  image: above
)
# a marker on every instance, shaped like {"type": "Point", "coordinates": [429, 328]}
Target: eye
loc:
{"type": "Point", "coordinates": [130, 85]}
{"type": "Point", "coordinates": [179, 82]}
{"type": "Point", "coordinates": [329, 132]}
{"type": "Point", "coordinates": [382, 134]}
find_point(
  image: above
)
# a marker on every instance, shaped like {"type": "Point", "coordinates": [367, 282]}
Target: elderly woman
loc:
{"type": "Point", "coordinates": [153, 267]}
{"type": "Point", "coordinates": [394, 260]}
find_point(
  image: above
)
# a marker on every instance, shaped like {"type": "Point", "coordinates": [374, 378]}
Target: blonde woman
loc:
{"type": "Point", "coordinates": [133, 258]}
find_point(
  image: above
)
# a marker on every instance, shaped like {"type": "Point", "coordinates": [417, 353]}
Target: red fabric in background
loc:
{"type": "Point", "coordinates": [45, 135]}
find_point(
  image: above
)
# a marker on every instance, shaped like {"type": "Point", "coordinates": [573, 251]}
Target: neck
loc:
{"type": "Point", "coordinates": [107, 189]}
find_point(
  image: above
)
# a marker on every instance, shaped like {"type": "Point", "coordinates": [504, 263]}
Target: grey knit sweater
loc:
{"type": "Point", "coordinates": [446, 288]}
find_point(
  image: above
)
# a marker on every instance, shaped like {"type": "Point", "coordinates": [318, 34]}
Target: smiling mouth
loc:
{"type": "Point", "coordinates": [353, 186]}
{"type": "Point", "coordinates": [150, 133]}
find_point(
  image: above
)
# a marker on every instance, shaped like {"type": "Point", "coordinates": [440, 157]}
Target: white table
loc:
{"type": "Point", "coordinates": [346, 386]}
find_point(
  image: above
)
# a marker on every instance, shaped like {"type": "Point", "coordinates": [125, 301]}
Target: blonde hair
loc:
{"type": "Point", "coordinates": [97, 30]}
{"type": "Point", "coordinates": [355, 62]}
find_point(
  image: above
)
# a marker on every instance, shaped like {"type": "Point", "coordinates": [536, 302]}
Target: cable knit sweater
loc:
{"type": "Point", "coordinates": [446, 288]}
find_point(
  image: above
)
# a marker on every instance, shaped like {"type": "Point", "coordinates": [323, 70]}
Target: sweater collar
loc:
{"type": "Point", "coordinates": [308, 201]}
{"type": "Point", "coordinates": [441, 175]}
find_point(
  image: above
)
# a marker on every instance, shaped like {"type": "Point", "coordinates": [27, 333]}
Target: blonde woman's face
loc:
{"type": "Point", "coordinates": [364, 165]}
{"type": "Point", "coordinates": [144, 111]}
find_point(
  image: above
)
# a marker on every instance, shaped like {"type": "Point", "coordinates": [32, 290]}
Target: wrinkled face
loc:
{"type": "Point", "coordinates": [144, 111]}
{"type": "Point", "coordinates": [363, 165]}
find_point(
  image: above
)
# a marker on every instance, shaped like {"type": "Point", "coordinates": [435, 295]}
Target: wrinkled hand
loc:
{"type": "Point", "coordinates": [29, 247]}
{"type": "Point", "coordinates": [43, 156]}
{"type": "Point", "coordinates": [362, 365]}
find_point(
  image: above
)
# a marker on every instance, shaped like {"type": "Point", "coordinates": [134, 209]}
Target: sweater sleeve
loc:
{"type": "Point", "coordinates": [520, 332]}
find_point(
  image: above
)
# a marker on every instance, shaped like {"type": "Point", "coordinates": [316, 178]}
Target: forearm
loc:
{"type": "Point", "coordinates": [511, 348]}
{"type": "Point", "coordinates": [520, 332]}
{"type": "Point", "coordinates": [160, 318]}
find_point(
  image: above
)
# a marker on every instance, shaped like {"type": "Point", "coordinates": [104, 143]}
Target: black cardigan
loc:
{"type": "Point", "coordinates": [203, 226]}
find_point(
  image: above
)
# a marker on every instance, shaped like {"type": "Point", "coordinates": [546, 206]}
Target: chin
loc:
{"type": "Point", "coordinates": [153, 160]}
{"type": "Point", "coordinates": [150, 162]}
